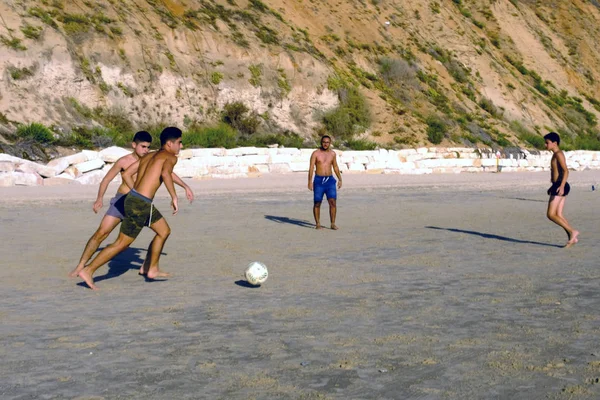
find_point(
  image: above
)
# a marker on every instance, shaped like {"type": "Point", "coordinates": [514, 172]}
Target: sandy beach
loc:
{"type": "Point", "coordinates": [435, 287]}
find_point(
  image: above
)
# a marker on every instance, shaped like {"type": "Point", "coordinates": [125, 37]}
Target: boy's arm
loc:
{"type": "Point", "coordinates": [562, 162]}
{"type": "Point", "coordinates": [188, 191]}
{"type": "Point", "coordinates": [129, 173]}
{"type": "Point", "coordinates": [336, 169]}
{"type": "Point", "coordinates": [110, 175]}
{"type": "Point", "coordinates": [311, 169]}
{"type": "Point", "coordinates": [167, 177]}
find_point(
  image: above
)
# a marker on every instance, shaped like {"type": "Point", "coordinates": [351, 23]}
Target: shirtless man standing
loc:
{"type": "Point", "coordinates": [560, 188]}
{"type": "Point", "coordinates": [114, 214]}
{"type": "Point", "coordinates": [324, 159]}
{"type": "Point", "coordinates": [152, 170]}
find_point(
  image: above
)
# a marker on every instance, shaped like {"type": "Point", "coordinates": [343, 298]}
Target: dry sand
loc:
{"type": "Point", "coordinates": [435, 287]}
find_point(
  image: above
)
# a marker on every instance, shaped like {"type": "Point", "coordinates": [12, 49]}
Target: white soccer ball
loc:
{"type": "Point", "coordinates": [256, 273]}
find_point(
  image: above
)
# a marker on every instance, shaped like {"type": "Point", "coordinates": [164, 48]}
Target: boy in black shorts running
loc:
{"type": "Point", "coordinates": [560, 187]}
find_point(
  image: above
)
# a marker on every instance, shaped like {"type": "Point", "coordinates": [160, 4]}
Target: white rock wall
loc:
{"type": "Point", "coordinates": [89, 167]}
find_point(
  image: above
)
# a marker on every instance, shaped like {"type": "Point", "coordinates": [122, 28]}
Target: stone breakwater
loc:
{"type": "Point", "coordinates": [89, 167]}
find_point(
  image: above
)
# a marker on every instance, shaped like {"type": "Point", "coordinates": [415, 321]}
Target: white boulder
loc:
{"type": "Point", "coordinates": [91, 178]}
{"type": "Point", "coordinates": [90, 165]}
{"type": "Point", "coordinates": [7, 166]}
{"type": "Point", "coordinates": [111, 154]}
{"type": "Point", "coordinates": [27, 178]}
{"type": "Point", "coordinates": [6, 179]}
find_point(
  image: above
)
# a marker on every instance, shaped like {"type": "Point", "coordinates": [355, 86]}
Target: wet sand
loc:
{"type": "Point", "coordinates": [435, 287]}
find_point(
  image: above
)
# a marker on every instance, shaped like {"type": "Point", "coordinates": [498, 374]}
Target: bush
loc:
{"type": "Point", "coordinates": [587, 141]}
{"type": "Point", "coordinates": [12, 42]}
{"type": "Point", "coordinates": [286, 139]}
{"type": "Point", "coordinates": [436, 129]}
{"type": "Point", "coordinates": [83, 137]}
{"type": "Point", "coordinates": [351, 116]}
{"type": "Point", "coordinates": [361, 144]}
{"type": "Point", "coordinates": [114, 118]}
{"type": "Point", "coordinates": [267, 35]}
{"type": "Point", "coordinates": [221, 135]}
{"type": "Point", "coordinates": [489, 106]}
{"type": "Point", "coordinates": [31, 32]}
{"type": "Point", "coordinates": [395, 71]}
{"type": "Point", "coordinates": [216, 77]}
{"type": "Point", "coordinates": [526, 135]}
{"type": "Point", "coordinates": [38, 132]}
{"type": "Point", "coordinates": [237, 115]}
{"type": "Point", "coordinates": [19, 73]}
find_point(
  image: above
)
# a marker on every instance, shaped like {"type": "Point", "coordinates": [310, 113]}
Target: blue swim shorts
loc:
{"type": "Point", "coordinates": [117, 206]}
{"type": "Point", "coordinates": [324, 185]}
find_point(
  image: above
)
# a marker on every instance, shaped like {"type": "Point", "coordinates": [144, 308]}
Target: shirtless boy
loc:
{"type": "Point", "coordinates": [324, 160]}
{"type": "Point", "coordinates": [114, 214]}
{"type": "Point", "coordinates": [559, 173]}
{"type": "Point", "coordinates": [152, 170]}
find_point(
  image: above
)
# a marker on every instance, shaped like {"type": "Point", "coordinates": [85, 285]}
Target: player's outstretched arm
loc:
{"type": "Point", "coordinates": [188, 191]}
{"type": "Point", "coordinates": [110, 175]}
{"type": "Point", "coordinates": [129, 173]}
{"type": "Point", "coordinates": [167, 177]}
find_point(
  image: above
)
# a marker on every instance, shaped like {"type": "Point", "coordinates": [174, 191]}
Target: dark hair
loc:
{"type": "Point", "coordinates": [142, 136]}
{"type": "Point", "coordinates": [553, 137]}
{"type": "Point", "coordinates": [169, 133]}
{"type": "Point", "coordinates": [325, 137]}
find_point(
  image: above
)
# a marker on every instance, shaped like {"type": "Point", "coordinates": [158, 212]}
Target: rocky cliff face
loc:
{"type": "Point", "coordinates": [447, 71]}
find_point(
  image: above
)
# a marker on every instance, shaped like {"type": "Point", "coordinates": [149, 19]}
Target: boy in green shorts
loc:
{"type": "Point", "coordinates": [115, 213]}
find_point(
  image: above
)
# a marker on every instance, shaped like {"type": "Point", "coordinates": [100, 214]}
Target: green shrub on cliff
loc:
{"type": "Point", "coordinates": [221, 135]}
{"type": "Point", "coordinates": [351, 116]}
{"type": "Point", "coordinates": [38, 132]}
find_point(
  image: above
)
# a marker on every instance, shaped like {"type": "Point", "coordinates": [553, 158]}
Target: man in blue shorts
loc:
{"type": "Point", "coordinates": [324, 160]}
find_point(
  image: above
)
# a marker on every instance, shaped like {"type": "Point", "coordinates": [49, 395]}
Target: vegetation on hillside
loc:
{"type": "Point", "coordinates": [410, 79]}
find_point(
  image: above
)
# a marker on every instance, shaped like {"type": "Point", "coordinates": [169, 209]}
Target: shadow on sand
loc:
{"type": "Point", "coordinates": [292, 221]}
{"type": "Point", "coordinates": [245, 284]}
{"type": "Point", "coordinates": [524, 199]}
{"type": "Point", "coordinates": [492, 236]}
{"type": "Point", "coordinates": [130, 258]}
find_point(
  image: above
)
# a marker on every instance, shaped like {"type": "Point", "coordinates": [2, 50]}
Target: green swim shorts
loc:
{"type": "Point", "coordinates": [139, 212]}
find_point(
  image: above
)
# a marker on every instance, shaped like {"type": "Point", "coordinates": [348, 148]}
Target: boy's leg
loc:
{"type": "Point", "coordinates": [162, 229]}
{"type": "Point", "coordinates": [332, 213]}
{"type": "Point", "coordinates": [107, 254]}
{"type": "Point", "coordinates": [107, 225]}
{"type": "Point", "coordinates": [574, 233]}
{"type": "Point", "coordinates": [555, 207]}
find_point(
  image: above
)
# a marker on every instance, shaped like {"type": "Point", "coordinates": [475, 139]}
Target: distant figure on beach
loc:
{"type": "Point", "coordinates": [324, 160]}
{"type": "Point", "coordinates": [559, 173]}
{"type": "Point", "coordinates": [152, 170]}
{"type": "Point", "coordinates": [114, 214]}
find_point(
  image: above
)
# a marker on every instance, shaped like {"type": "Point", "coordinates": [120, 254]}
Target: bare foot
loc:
{"type": "Point", "coordinates": [87, 278]}
{"type": "Point", "coordinates": [76, 271]}
{"type": "Point", "coordinates": [318, 227]}
{"type": "Point", "coordinates": [573, 239]}
{"type": "Point", "coordinates": [154, 273]}
{"type": "Point", "coordinates": [334, 227]}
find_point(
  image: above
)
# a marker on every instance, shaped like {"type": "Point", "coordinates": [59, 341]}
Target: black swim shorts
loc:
{"type": "Point", "coordinates": [553, 191]}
